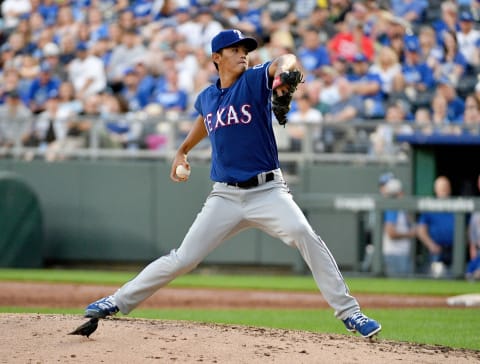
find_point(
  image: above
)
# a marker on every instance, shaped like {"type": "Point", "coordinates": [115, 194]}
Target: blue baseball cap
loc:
{"type": "Point", "coordinates": [412, 44]}
{"type": "Point", "coordinates": [203, 10]}
{"type": "Point", "coordinates": [230, 37]}
{"type": "Point", "coordinates": [129, 71]}
{"type": "Point", "coordinates": [81, 47]}
{"type": "Point", "coordinates": [182, 10]}
{"type": "Point", "coordinates": [45, 67]}
{"type": "Point", "coordinates": [466, 16]}
{"type": "Point", "coordinates": [385, 177]}
{"type": "Point", "coordinates": [360, 57]}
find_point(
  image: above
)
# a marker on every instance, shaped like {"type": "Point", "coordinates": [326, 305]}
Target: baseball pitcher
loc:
{"type": "Point", "coordinates": [249, 191]}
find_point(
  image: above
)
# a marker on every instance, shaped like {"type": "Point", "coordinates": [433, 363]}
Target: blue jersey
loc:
{"type": "Point", "coordinates": [391, 216]}
{"type": "Point", "coordinates": [440, 226]}
{"type": "Point", "coordinates": [313, 59]}
{"type": "Point", "coordinates": [238, 120]}
{"type": "Point", "coordinates": [418, 73]}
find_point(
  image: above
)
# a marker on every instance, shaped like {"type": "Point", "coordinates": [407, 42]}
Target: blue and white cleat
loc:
{"type": "Point", "coordinates": [102, 308]}
{"type": "Point", "coordinates": [360, 323]}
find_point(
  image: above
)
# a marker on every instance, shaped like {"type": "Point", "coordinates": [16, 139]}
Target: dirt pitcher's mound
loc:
{"type": "Point", "coordinates": [32, 338]}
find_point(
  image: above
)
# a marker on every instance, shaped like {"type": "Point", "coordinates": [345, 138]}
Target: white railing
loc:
{"type": "Point", "coordinates": [174, 130]}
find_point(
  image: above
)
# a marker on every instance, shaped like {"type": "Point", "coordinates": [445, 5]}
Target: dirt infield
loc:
{"type": "Point", "coordinates": [33, 338]}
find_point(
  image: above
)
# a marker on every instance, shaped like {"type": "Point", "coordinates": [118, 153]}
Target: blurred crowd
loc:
{"type": "Point", "coordinates": [395, 66]}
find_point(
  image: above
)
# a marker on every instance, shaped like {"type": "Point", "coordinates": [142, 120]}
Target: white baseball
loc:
{"type": "Point", "coordinates": [182, 172]}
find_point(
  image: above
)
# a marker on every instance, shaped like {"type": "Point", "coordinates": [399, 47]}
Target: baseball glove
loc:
{"type": "Point", "coordinates": [281, 104]}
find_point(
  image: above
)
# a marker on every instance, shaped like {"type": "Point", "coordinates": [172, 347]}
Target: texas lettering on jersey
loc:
{"type": "Point", "coordinates": [238, 120]}
{"type": "Point", "coordinates": [228, 116]}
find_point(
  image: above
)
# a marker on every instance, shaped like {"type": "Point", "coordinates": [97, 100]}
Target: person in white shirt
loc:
{"type": "Point", "coordinates": [388, 67]}
{"type": "Point", "coordinates": [208, 27]}
{"type": "Point", "coordinates": [186, 27]}
{"type": "Point", "coordinates": [468, 39]}
{"type": "Point", "coordinates": [12, 10]}
{"type": "Point", "coordinates": [87, 73]}
{"type": "Point", "coordinates": [382, 140]}
{"type": "Point", "coordinates": [398, 235]}
{"type": "Point", "coordinates": [14, 118]}
{"type": "Point", "coordinates": [305, 114]}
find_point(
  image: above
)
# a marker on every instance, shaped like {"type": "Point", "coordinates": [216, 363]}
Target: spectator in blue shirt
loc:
{"type": "Point", "coordinates": [392, 30]}
{"type": "Point", "coordinates": [249, 18]}
{"type": "Point", "coordinates": [170, 96]}
{"type": "Point", "coordinates": [41, 88]}
{"type": "Point", "coordinates": [436, 231]}
{"type": "Point", "coordinates": [97, 27]}
{"type": "Point", "coordinates": [19, 45]}
{"type": "Point", "coordinates": [49, 11]}
{"type": "Point", "coordinates": [412, 11]}
{"type": "Point", "coordinates": [120, 131]}
{"type": "Point", "coordinates": [453, 64]}
{"type": "Point", "coordinates": [455, 104]}
{"type": "Point", "coordinates": [312, 53]}
{"type": "Point", "coordinates": [368, 86]}
{"type": "Point", "coordinates": [417, 77]}
{"type": "Point", "coordinates": [430, 51]}
{"type": "Point", "coordinates": [448, 20]}
{"type": "Point", "coordinates": [143, 11]}
{"type": "Point", "coordinates": [130, 90]}
{"type": "Point", "coordinates": [146, 83]}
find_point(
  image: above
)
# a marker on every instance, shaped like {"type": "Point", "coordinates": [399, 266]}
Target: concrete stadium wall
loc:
{"type": "Point", "coordinates": [130, 211]}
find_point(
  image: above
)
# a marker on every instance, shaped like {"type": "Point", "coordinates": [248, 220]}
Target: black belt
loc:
{"type": "Point", "coordinates": [253, 182]}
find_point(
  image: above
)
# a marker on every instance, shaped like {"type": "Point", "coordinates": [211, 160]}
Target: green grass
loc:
{"type": "Point", "coordinates": [452, 327]}
{"type": "Point", "coordinates": [412, 325]}
{"type": "Point", "coordinates": [269, 282]}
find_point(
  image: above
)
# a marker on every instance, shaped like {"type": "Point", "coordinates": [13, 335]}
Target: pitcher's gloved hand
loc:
{"type": "Point", "coordinates": [281, 100]}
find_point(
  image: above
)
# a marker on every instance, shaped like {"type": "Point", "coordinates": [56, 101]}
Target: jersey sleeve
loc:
{"type": "Point", "coordinates": [257, 78]}
{"type": "Point", "coordinates": [423, 219]}
{"type": "Point", "coordinates": [200, 103]}
{"type": "Point", "coordinates": [390, 217]}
